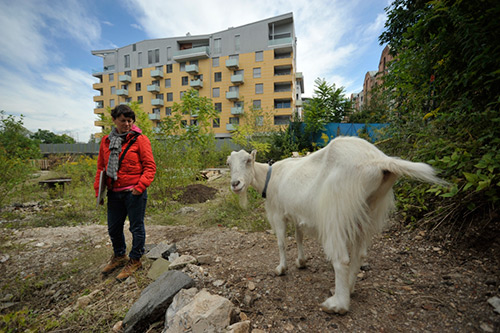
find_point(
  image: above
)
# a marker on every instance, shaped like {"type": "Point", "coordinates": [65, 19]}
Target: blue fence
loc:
{"type": "Point", "coordinates": [332, 130]}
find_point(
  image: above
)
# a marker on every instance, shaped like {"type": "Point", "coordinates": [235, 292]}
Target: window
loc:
{"type": "Point", "coordinates": [257, 104]}
{"type": "Point", "coordinates": [169, 68]}
{"type": "Point", "coordinates": [182, 66]}
{"type": "Point", "coordinates": [156, 111]}
{"type": "Point", "coordinates": [282, 86]}
{"type": "Point", "coordinates": [159, 68]}
{"type": "Point", "coordinates": [127, 61]}
{"type": "Point", "coordinates": [139, 99]}
{"type": "Point", "coordinates": [218, 76]}
{"type": "Point", "coordinates": [159, 96]}
{"type": "Point", "coordinates": [234, 120]}
{"type": "Point", "coordinates": [237, 42]}
{"type": "Point", "coordinates": [129, 73]}
{"type": "Point", "coordinates": [168, 110]}
{"type": "Point", "coordinates": [216, 92]}
{"type": "Point", "coordinates": [256, 72]}
{"type": "Point", "coordinates": [239, 72]}
{"type": "Point", "coordinates": [169, 53]}
{"type": "Point", "coordinates": [124, 86]}
{"type": "Point", "coordinates": [138, 86]}
{"type": "Point", "coordinates": [156, 83]}
{"type": "Point", "coordinates": [111, 77]}
{"type": "Point", "coordinates": [182, 94]}
{"type": "Point", "coordinates": [259, 121]}
{"type": "Point", "coordinates": [282, 103]}
{"type": "Point", "coordinates": [216, 123]}
{"type": "Point", "coordinates": [217, 46]}
{"type": "Point", "coordinates": [139, 59]}
{"type": "Point", "coordinates": [194, 62]}
{"type": "Point", "coordinates": [150, 57]}
{"type": "Point", "coordinates": [168, 83]}
{"type": "Point", "coordinates": [113, 90]}
{"type": "Point", "coordinates": [111, 103]}
{"type": "Point", "coordinates": [234, 88]}
{"type": "Point", "coordinates": [259, 56]}
{"type": "Point", "coordinates": [170, 97]}
{"type": "Point", "coordinates": [234, 56]}
{"type": "Point", "coordinates": [139, 73]}
{"type": "Point", "coordinates": [215, 62]}
{"type": "Point", "coordinates": [184, 80]}
{"type": "Point", "coordinates": [157, 55]}
{"type": "Point", "coordinates": [259, 88]}
{"type": "Point", "coordinates": [134, 48]}
{"type": "Point", "coordinates": [281, 120]}
{"type": "Point", "coordinates": [128, 100]}
{"type": "Point", "coordinates": [218, 107]}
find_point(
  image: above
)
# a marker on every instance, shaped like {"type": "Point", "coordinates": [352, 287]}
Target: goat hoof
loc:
{"type": "Point", "coordinates": [301, 263]}
{"type": "Point", "coordinates": [331, 305]}
{"type": "Point", "coordinates": [280, 270]}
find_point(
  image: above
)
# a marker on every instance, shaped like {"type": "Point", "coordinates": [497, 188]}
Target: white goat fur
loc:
{"type": "Point", "coordinates": [343, 193]}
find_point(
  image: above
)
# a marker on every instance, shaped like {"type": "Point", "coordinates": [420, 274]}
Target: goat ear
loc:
{"type": "Point", "coordinates": [228, 159]}
{"type": "Point", "coordinates": [253, 154]}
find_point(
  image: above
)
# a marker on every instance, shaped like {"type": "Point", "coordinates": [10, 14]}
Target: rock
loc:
{"type": "Point", "coordinates": [486, 328]}
{"type": "Point", "coordinates": [84, 301]}
{"type": "Point", "coordinates": [206, 313]}
{"type": "Point", "coordinates": [4, 258]}
{"type": "Point", "coordinates": [117, 328]}
{"type": "Point", "coordinates": [183, 298]}
{"type": "Point", "coordinates": [186, 210]}
{"type": "Point", "coordinates": [204, 259]}
{"type": "Point", "coordinates": [495, 303]}
{"type": "Point", "coordinates": [251, 286]}
{"type": "Point", "coordinates": [155, 300]}
{"type": "Point", "coordinates": [240, 327]}
{"type": "Point", "coordinates": [218, 283]}
{"type": "Point", "coordinates": [158, 267]}
{"type": "Point", "coordinates": [182, 261]}
{"type": "Point", "coordinates": [162, 250]}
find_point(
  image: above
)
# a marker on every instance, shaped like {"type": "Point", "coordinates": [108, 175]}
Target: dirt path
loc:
{"type": "Point", "coordinates": [412, 285]}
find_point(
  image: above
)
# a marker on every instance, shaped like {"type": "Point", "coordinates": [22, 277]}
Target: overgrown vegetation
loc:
{"type": "Point", "coordinates": [443, 93]}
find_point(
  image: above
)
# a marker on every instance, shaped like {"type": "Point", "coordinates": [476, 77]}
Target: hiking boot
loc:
{"type": "Point", "coordinates": [129, 269]}
{"type": "Point", "coordinates": [114, 263]}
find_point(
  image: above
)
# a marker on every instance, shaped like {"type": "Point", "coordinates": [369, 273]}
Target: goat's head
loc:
{"type": "Point", "coordinates": [241, 165]}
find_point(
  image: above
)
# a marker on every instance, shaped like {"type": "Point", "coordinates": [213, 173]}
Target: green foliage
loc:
{"type": "Point", "coordinates": [14, 138]}
{"type": "Point", "coordinates": [45, 136]}
{"type": "Point", "coordinates": [328, 105]}
{"type": "Point", "coordinates": [15, 321]}
{"type": "Point", "coordinates": [253, 132]}
{"type": "Point", "coordinates": [445, 92]}
{"type": "Point", "coordinates": [15, 173]}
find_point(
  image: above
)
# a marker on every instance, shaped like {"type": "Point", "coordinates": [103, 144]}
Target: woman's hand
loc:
{"type": "Point", "coordinates": [135, 192]}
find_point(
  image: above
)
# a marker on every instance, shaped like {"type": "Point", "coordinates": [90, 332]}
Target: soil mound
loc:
{"type": "Point", "coordinates": [196, 193]}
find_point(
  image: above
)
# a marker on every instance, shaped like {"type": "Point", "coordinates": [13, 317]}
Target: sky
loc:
{"type": "Point", "coordinates": [46, 62]}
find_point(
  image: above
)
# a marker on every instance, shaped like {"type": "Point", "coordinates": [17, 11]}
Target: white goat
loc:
{"type": "Point", "coordinates": [342, 193]}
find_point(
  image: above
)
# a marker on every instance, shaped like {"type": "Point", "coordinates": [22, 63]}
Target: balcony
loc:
{"type": "Point", "coordinates": [122, 92]}
{"type": "Point", "coordinates": [156, 73]}
{"type": "Point", "coordinates": [98, 98]}
{"type": "Point", "coordinates": [125, 78]}
{"type": "Point", "coordinates": [196, 84]}
{"type": "Point", "coordinates": [99, 123]}
{"type": "Point", "coordinates": [237, 79]}
{"type": "Point", "coordinates": [153, 88]}
{"type": "Point", "coordinates": [200, 52]}
{"type": "Point", "coordinates": [157, 102]}
{"type": "Point", "coordinates": [230, 127]}
{"type": "Point", "coordinates": [192, 69]}
{"type": "Point", "coordinates": [154, 116]}
{"type": "Point", "coordinates": [237, 110]}
{"type": "Point", "coordinates": [232, 63]}
{"type": "Point", "coordinates": [285, 44]}
{"type": "Point", "coordinates": [298, 102]}
{"type": "Point", "coordinates": [232, 95]}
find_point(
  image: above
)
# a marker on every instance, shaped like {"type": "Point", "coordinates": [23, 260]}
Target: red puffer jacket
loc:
{"type": "Point", "coordinates": [138, 167]}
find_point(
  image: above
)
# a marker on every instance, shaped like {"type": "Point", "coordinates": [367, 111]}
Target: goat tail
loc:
{"type": "Point", "coordinates": [417, 170]}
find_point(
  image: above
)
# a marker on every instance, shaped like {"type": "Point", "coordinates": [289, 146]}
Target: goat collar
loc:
{"type": "Point", "coordinates": [268, 177]}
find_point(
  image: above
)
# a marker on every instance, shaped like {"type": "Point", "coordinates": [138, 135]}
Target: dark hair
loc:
{"type": "Point", "coordinates": [124, 110]}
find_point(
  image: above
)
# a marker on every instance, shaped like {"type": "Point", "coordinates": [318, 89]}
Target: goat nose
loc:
{"type": "Point", "coordinates": [235, 183]}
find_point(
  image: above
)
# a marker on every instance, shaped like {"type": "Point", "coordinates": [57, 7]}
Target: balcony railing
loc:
{"type": "Point", "coordinates": [157, 102]}
{"type": "Point", "coordinates": [232, 63]}
{"type": "Point", "coordinates": [236, 110]}
{"type": "Point", "coordinates": [230, 127]}
{"type": "Point", "coordinates": [194, 53]}
{"type": "Point", "coordinates": [192, 69]}
{"type": "Point", "coordinates": [154, 116]}
{"type": "Point", "coordinates": [232, 95]}
{"type": "Point", "coordinates": [287, 41]}
{"type": "Point", "coordinates": [156, 73]}
{"type": "Point", "coordinates": [196, 84]}
{"type": "Point", "coordinates": [122, 92]}
{"type": "Point", "coordinates": [153, 88]}
{"type": "Point", "coordinates": [237, 79]}
{"type": "Point", "coordinates": [125, 78]}
{"type": "Point", "coordinates": [298, 102]}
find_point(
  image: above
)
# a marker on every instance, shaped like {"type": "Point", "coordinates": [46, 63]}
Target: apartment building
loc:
{"type": "Point", "coordinates": [253, 65]}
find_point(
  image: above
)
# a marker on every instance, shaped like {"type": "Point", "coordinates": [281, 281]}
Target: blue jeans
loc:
{"type": "Point", "coordinates": [121, 204]}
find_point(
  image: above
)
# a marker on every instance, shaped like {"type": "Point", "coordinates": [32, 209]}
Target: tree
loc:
{"type": "Point", "coordinates": [14, 138]}
{"type": "Point", "coordinates": [328, 105]}
{"type": "Point", "coordinates": [445, 88]}
{"type": "Point", "coordinates": [45, 136]}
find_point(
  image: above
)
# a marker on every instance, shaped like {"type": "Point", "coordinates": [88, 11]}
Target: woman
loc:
{"type": "Point", "coordinates": [126, 156]}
